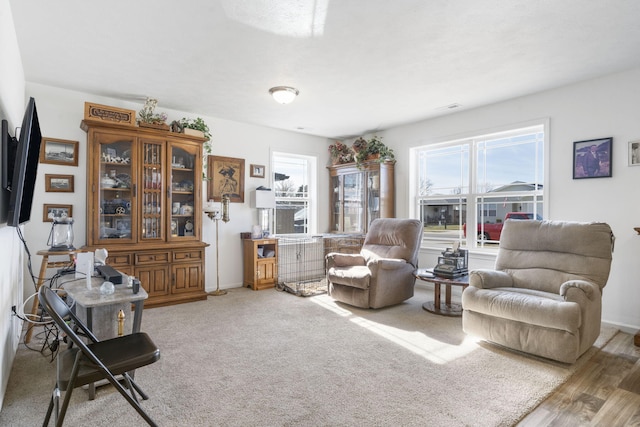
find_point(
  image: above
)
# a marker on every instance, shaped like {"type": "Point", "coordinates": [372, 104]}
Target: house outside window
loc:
{"type": "Point", "coordinates": [295, 190]}
{"type": "Point", "coordinates": [464, 189]}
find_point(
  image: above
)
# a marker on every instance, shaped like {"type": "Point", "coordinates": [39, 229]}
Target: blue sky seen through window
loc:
{"type": "Point", "coordinates": [500, 162]}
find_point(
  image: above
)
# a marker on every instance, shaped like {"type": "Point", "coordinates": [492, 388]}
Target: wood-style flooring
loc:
{"type": "Point", "coordinates": [605, 392]}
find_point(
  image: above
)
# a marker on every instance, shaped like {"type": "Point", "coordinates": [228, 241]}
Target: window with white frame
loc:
{"type": "Point", "coordinates": [465, 188]}
{"type": "Point", "coordinates": [295, 190]}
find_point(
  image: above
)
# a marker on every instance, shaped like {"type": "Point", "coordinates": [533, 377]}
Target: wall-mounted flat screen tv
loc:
{"type": "Point", "coordinates": [21, 167]}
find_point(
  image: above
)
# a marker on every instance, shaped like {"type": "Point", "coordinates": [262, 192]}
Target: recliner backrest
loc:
{"type": "Point", "coordinates": [544, 254]}
{"type": "Point", "coordinates": [393, 238]}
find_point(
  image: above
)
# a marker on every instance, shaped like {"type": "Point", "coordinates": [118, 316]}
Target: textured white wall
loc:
{"type": "Point", "coordinates": [604, 107]}
{"type": "Point", "coordinates": [12, 104]}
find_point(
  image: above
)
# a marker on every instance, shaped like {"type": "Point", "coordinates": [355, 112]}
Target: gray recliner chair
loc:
{"type": "Point", "coordinates": [382, 274]}
{"type": "Point", "coordinates": [545, 295]}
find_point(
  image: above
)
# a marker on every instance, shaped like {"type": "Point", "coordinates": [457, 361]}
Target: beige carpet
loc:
{"type": "Point", "coordinates": [270, 358]}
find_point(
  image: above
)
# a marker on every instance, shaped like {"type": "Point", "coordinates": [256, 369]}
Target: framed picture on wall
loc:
{"type": "Point", "coordinates": [592, 158]}
{"type": "Point", "coordinates": [257, 171]}
{"type": "Point", "coordinates": [58, 183]}
{"type": "Point", "coordinates": [226, 176]}
{"type": "Point", "coordinates": [59, 152]}
{"type": "Point", "coordinates": [634, 153]}
{"type": "Point", "coordinates": [49, 212]}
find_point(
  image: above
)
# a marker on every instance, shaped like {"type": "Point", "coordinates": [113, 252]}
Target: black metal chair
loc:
{"type": "Point", "coordinates": [83, 363]}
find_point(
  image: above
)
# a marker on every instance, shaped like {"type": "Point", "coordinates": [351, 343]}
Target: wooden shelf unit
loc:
{"type": "Point", "coordinates": [358, 195]}
{"type": "Point", "coordinates": [144, 206]}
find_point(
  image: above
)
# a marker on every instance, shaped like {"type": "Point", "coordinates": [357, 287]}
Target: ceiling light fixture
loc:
{"type": "Point", "coordinates": [284, 94]}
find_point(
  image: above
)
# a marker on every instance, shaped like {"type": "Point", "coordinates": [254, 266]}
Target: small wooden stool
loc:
{"type": "Point", "coordinates": [42, 276]}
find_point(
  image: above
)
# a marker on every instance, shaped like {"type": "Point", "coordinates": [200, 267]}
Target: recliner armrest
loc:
{"type": "Point", "coordinates": [336, 259]}
{"type": "Point", "coordinates": [590, 289]}
{"type": "Point", "coordinates": [387, 263]}
{"type": "Point", "coordinates": [487, 279]}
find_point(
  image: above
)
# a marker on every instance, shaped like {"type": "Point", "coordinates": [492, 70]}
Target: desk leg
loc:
{"type": "Point", "coordinates": [92, 386]}
{"type": "Point", "coordinates": [447, 298]}
{"type": "Point", "coordinates": [137, 315]}
{"type": "Point", "coordinates": [89, 318]}
{"type": "Point", "coordinates": [137, 321]}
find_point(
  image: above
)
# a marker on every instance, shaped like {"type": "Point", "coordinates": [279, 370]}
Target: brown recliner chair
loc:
{"type": "Point", "coordinates": [545, 295]}
{"type": "Point", "coordinates": [382, 274]}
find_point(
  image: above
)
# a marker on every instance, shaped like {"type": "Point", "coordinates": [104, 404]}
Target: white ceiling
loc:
{"type": "Point", "coordinates": [360, 65]}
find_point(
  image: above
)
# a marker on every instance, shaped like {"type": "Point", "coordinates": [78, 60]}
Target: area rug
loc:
{"type": "Point", "coordinates": [269, 358]}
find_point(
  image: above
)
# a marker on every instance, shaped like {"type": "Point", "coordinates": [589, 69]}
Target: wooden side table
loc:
{"type": "Point", "coordinates": [260, 258]}
{"type": "Point", "coordinates": [437, 306]}
{"type": "Point", "coordinates": [46, 264]}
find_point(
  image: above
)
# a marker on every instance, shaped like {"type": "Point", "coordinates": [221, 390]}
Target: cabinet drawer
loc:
{"type": "Point", "coordinates": [187, 255]}
{"type": "Point", "coordinates": [119, 259]}
{"type": "Point", "coordinates": [152, 257]}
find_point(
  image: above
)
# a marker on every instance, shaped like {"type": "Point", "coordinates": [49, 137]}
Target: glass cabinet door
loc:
{"type": "Point", "coordinates": [152, 195]}
{"type": "Point", "coordinates": [184, 191]}
{"type": "Point", "coordinates": [373, 196]}
{"type": "Point", "coordinates": [354, 213]}
{"type": "Point", "coordinates": [336, 203]}
{"type": "Point", "coordinates": [116, 193]}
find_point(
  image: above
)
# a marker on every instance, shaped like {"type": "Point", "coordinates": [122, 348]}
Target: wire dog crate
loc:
{"type": "Point", "coordinates": [301, 261]}
{"type": "Point", "coordinates": [301, 269]}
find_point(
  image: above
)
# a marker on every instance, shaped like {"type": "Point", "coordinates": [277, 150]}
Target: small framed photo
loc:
{"type": "Point", "coordinates": [592, 158]}
{"type": "Point", "coordinates": [49, 212]}
{"type": "Point", "coordinates": [257, 171]}
{"type": "Point", "coordinates": [58, 183]}
{"type": "Point", "coordinates": [634, 153]}
{"type": "Point", "coordinates": [59, 152]}
{"type": "Point", "coordinates": [122, 225]}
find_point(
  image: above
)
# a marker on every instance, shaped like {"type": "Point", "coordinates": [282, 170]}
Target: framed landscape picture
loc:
{"type": "Point", "coordinates": [592, 158]}
{"type": "Point", "coordinates": [58, 183]}
{"type": "Point", "coordinates": [59, 152]}
{"type": "Point", "coordinates": [226, 176]}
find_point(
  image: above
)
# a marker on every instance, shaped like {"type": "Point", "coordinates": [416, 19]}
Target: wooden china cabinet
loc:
{"type": "Point", "coordinates": [144, 206]}
{"type": "Point", "coordinates": [360, 194]}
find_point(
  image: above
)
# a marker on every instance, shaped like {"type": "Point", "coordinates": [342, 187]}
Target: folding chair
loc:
{"type": "Point", "coordinates": [82, 363]}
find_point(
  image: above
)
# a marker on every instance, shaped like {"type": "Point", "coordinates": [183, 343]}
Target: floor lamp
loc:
{"type": "Point", "coordinates": [217, 213]}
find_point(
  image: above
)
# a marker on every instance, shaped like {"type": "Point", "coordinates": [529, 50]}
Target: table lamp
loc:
{"type": "Point", "coordinates": [264, 201]}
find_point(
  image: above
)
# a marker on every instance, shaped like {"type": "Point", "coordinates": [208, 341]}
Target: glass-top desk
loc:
{"type": "Point", "coordinates": [100, 312]}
